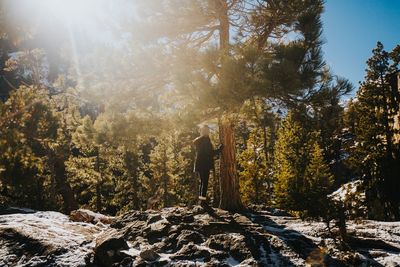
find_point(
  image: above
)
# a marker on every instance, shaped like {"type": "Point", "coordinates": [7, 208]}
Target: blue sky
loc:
{"type": "Point", "coordinates": [351, 30]}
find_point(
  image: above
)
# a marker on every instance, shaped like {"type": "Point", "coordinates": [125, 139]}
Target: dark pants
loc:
{"type": "Point", "coordinates": [204, 175]}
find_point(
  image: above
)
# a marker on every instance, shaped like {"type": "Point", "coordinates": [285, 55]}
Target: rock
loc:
{"type": "Point", "coordinates": [45, 239]}
{"type": "Point", "coordinates": [25, 244]}
{"type": "Point", "coordinates": [169, 242]}
{"type": "Point", "coordinates": [249, 263]}
{"type": "Point", "coordinates": [157, 230]}
{"type": "Point", "coordinates": [159, 226]}
{"type": "Point", "coordinates": [132, 230]}
{"type": "Point", "coordinates": [88, 216]}
{"type": "Point", "coordinates": [128, 218]}
{"type": "Point", "coordinates": [13, 210]}
{"type": "Point", "coordinates": [178, 236]}
{"type": "Point", "coordinates": [243, 220]}
{"type": "Point", "coordinates": [212, 228]}
{"type": "Point", "coordinates": [174, 219]}
{"type": "Point", "coordinates": [197, 209]}
{"type": "Point", "coordinates": [235, 243]}
{"type": "Point", "coordinates": [108, 247]}
{"type": "Point", "coordinates": [278, 212]}
{"type": "Point", "coordinates": [149, 255]}
{"type": "Point", "coordinates": [153, 218]}
{"type": "Point", "coordinates": [187, 236]}
{"type": "Point", "coordinates": [191, 252]}
{"type": "Point", "coordinates": [126, 262]}
{"type": "Point", "coordinates": [139, 262]}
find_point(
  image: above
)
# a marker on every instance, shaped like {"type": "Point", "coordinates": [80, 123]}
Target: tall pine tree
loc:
{"type": "Point", "coordinates": [376, 109]}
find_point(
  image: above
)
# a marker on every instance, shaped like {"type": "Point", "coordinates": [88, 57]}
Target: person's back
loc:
{"type": "Point", "coordinates": [204, 155]}
{"type": "Point", "coordinates": [204, 159]}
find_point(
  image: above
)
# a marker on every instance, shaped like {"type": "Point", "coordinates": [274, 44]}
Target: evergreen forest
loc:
{"type": "Point", "coordinates": [100, 112]}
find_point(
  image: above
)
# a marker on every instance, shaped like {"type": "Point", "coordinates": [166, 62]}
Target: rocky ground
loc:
{"type": "Point", "coordinates": [190, 237]}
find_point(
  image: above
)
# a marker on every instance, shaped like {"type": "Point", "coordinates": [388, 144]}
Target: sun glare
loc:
{"type": "Point", "coordinates": [72, 11]}
{"type": "Point", "coordinates": [93, 18]}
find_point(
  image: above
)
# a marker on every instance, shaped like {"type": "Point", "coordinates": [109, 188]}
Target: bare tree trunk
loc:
{"type": "Point", "coordinates": [229, 180]}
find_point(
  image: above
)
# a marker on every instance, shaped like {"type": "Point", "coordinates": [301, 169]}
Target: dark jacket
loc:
{"type": "Point", "coordinates": [204, 154]}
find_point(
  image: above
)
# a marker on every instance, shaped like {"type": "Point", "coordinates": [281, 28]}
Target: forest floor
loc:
{"type": "Point", "coordinates": [197, 236]}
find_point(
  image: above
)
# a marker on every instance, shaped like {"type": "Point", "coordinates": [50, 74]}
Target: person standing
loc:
{"type": "Point", "coordinates": [204, 160]}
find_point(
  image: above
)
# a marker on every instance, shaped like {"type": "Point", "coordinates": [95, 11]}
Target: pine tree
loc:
{"type": "Point", "coordinates": [257, 113]}
{"type": "Point", "coordinates": [91, 171]}
{"type": "Point", "coordinates": [181, 166]}
{"type": "Point", "coordinates": [32, 145]}
{"type": "Point", "coordinates": [128, 190]}
{"type": "Point", "coordinates": [159, 165]}
{"type": "Point", "coordinates": [290, 162]}
{"type": "Point", "coordinates": [254, 170]}
{"type": "Point", "coordinates": [318, 181]}
{"type": "Point", "coordinates": [171, 170]}
{"type": "Point", "coordinates": [302, 177]}
{"type": "Point", "coordinates": [375, 130]}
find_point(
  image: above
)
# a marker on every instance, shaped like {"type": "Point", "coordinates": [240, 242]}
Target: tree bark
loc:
{"type": "Point", "coordinates": [229, 180]}
{"type": "Point", "coordinates": [222, 10]}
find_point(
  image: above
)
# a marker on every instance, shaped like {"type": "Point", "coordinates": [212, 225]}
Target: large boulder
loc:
{"type": "Point", "coordinates": [45, 239]}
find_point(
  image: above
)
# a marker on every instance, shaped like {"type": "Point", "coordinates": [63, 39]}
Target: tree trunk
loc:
{"type": "Point", "coordinates": [63, 187]}
{"type": "Point", "coordinates": [39, 197]}
{"type": "Point", "coordinates": [165, 178]}
{"type": "Point", "coordinates": [267, 152]}
{"type": "Point", "coordinates": [222, 10]}
{"type": "Point", "coordinates": [255, 178]}
{"type": "Point", "coordinates": [229, 181]}
{"type": "Point", "coordinates": [131, 162]}
{"type": "Point", "coordinates": [99, 204]}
